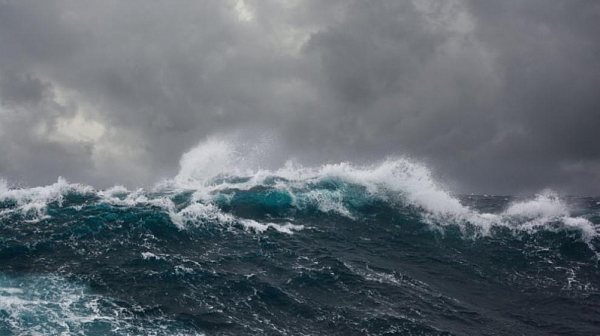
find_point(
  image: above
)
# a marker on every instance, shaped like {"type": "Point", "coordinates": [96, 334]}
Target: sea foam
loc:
{"type": "Point", "coordinates": [395, 179]}
{"type": "Point", "coordinates": [51, 305]}
{"type": "Point", "coordinates": [217, 169]}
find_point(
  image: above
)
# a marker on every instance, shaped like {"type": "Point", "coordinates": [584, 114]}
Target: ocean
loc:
{"type": "Point", "coordinates": [337, 249]}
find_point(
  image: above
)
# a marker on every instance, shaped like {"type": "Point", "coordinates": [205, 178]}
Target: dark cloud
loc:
{"type": "Point", "coordinates": [499, 97]}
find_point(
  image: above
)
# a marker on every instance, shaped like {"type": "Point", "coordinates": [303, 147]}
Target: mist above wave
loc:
{"type": "Point", "coordinates": [218, 172]}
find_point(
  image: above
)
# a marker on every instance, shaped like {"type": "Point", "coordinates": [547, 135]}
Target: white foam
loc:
{"type": "Point", "coordinates": [288, 228]}
{"type": "Point", "coordinates": [150, 255]}
{"type": "Point", "coordinates": [585, 226]}
{"type": "Point", "coordinates": [10, 290]}
{"type": "Point", "coordinates": [545, 205]}
{"type": "Point", "coordinates": [546, 211]}
{"type": "Point", "coordinates": [394, 178]}
{"type": "Point", "coordinates": [329, 202]}
{"type": "Point", "coordinates": [217, 166]}
{"type": "Point", "coordinates": [33, 201]}
{"type": "Point", "coordinates": [50, 305]}
{"type": "Point", "coordinates": [210, 159]}
{"type": "Point", "coordinates": [116, 191]}
{"type": "Point", "coordinates": [218, 157]}
{"type": "Point", "coordinates": [199, 213]}
{"type": "Point", "coordinates": [123, 197]}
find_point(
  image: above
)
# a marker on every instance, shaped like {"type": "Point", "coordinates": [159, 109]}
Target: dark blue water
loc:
{"type": "Point", "coordinates": [320, 255]}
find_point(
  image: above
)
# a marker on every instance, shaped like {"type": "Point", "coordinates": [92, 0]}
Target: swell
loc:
{"type": "Point", "coordinates": [334, 249]}
{"type": "Point", "coordinates": [288, 198]}
{"type": "Point", "coordinates": [382, 269]}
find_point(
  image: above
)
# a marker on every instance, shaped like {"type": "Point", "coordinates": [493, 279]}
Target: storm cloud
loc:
{"type": "Point", "coordinates": [497, 96]}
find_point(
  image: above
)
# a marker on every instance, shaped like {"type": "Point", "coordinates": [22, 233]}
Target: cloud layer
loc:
{"type": "Point", "coordinates": [500, 97]}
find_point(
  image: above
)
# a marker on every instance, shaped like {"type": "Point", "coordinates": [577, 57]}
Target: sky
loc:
{"type": "Point", "coordinates": [497, 97]}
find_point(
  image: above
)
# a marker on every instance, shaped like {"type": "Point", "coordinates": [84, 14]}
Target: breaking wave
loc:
{"type": "Point", "coordinates": [227, 247]}
{"type": "Point", "coordinates": [214, 183]}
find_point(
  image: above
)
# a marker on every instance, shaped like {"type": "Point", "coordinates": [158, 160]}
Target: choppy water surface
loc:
{"type": "Point", "coordinates": [333, 250]}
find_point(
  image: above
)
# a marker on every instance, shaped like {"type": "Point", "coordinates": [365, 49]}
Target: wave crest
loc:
{"type": "Point", "coordinates": [216, 177]}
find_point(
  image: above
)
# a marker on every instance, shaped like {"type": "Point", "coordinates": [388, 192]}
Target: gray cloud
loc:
{"type": "Point", "coordinates": [499, 97]}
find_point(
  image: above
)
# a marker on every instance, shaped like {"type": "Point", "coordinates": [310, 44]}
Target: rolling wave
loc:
{"type": "Point", "coordinates": [228, 248]}
{"type": "Point", "coordinates": [211, 187]}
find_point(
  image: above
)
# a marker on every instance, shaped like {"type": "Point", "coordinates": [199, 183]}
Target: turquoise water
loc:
{"type": "Point", "coordinates": [338, 250]}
